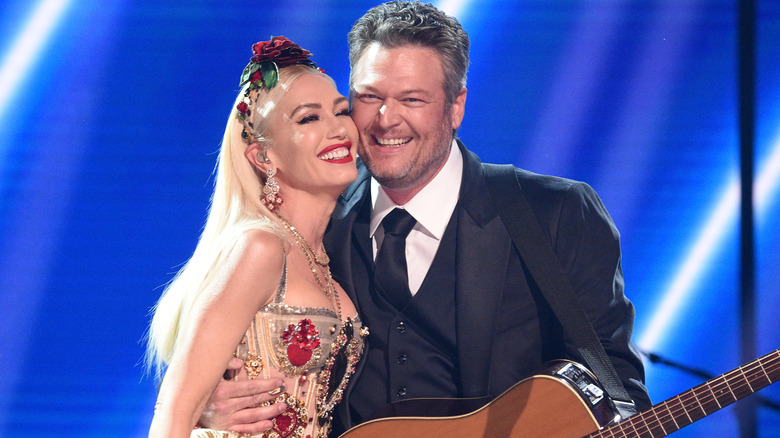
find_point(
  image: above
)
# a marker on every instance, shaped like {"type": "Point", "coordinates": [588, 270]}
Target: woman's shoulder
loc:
{"type": "Point", "coordinates": [261, 246]}
{"type": "Point", "coordinates": [253, 267]}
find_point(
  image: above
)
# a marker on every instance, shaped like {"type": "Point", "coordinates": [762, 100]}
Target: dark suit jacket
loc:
{"type": "Point", "coordinates": [505, 330]}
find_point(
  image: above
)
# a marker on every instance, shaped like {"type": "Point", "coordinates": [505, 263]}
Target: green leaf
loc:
{"type": "Point", "coordinates": [270, 74]}
{"type": "Point", "coordinates": [249, 70]}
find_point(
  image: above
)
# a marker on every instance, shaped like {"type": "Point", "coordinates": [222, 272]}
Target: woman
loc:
{"type": "Point", "coordinates": [258, 285]}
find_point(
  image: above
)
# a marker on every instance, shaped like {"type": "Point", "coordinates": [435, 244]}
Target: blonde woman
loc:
{"type": "Point", "coordinates": [258, 285]}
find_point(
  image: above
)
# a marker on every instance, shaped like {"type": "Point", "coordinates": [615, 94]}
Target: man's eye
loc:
{"type": "Point", "coordinates": [415, 101]}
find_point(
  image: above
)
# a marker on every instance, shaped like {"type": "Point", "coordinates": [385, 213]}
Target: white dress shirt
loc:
{"type": "Point", "coordinates": [432, 207]}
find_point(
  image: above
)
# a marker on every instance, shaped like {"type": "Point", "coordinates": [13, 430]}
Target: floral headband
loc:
{"type": "Point", "coordinates": [263, 69]}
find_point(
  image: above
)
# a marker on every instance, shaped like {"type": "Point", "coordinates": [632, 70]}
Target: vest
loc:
{"type": "Point", "coordinates": [411, 351]}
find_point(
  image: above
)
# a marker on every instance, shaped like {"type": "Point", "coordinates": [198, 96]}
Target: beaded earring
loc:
{"type": "Point", "coordinates": [271, 199]}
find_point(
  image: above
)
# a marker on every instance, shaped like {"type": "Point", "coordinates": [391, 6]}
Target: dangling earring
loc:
{"type": "Point", "coordinates": [271, 200]}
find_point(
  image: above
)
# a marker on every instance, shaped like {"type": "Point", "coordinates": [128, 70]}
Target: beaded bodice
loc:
{"type": "Point", "coordinates": [312, 350]}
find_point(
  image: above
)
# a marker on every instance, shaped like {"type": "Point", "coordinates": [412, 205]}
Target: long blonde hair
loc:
{"type": "Point", "coordinates": [235, 208]}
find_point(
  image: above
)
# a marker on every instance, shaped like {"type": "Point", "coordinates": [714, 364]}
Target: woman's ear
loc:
{"type": "Point", "coordinates": [255, 153]}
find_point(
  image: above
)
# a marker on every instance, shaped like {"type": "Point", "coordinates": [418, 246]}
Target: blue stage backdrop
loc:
{"type": "Point", "coordinates": [111, 113]}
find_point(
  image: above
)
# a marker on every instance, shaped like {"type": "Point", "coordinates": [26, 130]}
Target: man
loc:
{"type": "Point", "coordinates": [472, 322]}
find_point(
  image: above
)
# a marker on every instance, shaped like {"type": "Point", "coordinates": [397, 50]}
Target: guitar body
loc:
{"type": "Point", "coordinates": [565, 401]}
{"type": "Point", "coordinates": [545, 406]}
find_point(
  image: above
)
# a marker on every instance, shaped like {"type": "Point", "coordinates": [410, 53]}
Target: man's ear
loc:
{"type": "Point", "coordinates": [458, 108]}
{"type": "Point", "coordinates": [255, 154]}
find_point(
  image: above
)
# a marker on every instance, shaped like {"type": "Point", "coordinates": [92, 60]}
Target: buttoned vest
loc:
{"type": "Point", "coordinates": [411, 351]}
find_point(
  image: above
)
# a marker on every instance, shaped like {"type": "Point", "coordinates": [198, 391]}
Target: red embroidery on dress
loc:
{"type": "Point", "coordinates": [286, 423]}
{"type": "Point", "coordinates": [301, 339]}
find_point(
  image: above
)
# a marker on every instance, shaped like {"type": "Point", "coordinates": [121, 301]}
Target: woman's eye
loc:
{"type": "Point", "coordinates": [307, 119]}
{"type": "Point", "coordinates": [345, 112]}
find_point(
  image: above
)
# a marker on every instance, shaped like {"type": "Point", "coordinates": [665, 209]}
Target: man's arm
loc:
{"type": "Point", "coordinates": [234, 404]}
{"type": "Point", "coordinates": [588, 244]}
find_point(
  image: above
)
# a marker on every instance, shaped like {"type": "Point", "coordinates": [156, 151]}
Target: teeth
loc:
{"type": "Point", "coordinates": [392, 141]}
{"type": "Point", "coordinates": [334, 154]}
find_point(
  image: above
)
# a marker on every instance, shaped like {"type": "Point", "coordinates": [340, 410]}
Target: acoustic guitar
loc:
{"type": "Point", "coordinates": [565, 401]}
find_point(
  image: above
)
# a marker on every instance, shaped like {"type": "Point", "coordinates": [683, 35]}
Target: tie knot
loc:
{"type": "Point", "coordinates": [398, 223]}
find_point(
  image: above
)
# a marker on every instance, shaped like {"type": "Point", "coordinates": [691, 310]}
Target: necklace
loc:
{"type": "Point", "coordinates": [321, 260]}
{"type": "Point", "coordinates": [311, 257]}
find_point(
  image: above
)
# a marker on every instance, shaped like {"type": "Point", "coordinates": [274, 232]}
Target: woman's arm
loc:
{"type": "Point", "coordinates": [218, 321]}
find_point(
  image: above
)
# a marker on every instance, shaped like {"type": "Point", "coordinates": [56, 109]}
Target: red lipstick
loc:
{"type": "Point", "coordinates": [346, 159]}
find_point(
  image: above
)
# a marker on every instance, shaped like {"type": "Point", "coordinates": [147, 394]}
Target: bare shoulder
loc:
{"type": "Point", "coordinates": [262, 250]}
{"type": "Point", "coordinates": [254, 267]}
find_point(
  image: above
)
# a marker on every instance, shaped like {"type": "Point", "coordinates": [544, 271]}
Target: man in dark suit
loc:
{"type": "Point", "coordinates": [471, 323]}
{"type": "Point", "coordinates": [465, 319]}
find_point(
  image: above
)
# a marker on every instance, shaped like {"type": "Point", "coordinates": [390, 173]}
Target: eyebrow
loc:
{"type": "Point", "coordinates": [370, 89]}
{"type": "Point", "coordinates": [298, 108]}
{"type": "Point", "coordinates": [304, 106]}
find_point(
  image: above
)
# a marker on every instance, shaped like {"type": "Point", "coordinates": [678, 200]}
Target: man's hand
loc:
{"type": "Point", "coordinates": [234, 404]}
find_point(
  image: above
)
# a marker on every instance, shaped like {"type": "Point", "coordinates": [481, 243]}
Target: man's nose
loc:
{"type": "Point", "coordinates": [388, 113]}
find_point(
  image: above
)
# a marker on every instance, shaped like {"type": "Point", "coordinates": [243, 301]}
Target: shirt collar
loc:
{"type": "Point", "coordinates": [438, 196]}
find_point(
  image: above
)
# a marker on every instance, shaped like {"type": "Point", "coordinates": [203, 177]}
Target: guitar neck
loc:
{"type": "Point", "coordinates": [696, 403]}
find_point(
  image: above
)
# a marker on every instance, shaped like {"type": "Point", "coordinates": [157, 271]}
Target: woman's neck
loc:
{"type": "Point", "coordinates": [309, 214]}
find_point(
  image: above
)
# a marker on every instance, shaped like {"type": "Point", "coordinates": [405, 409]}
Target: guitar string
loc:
{"type": "Point", "coordinates": [753, 372]}
{"type": "Point", "coordinates": [648, 427]}
{"type": "Point", "coordinates": [750, 373]}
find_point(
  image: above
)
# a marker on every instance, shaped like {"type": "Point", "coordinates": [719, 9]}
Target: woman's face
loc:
{"type": "Point", "coordinates": [314, 140]}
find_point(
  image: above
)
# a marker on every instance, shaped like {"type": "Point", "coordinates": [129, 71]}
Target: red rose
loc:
{"type": "Point", "coordinates": [279, 50]}
{"type": "Point", "coordinates": [242, 107]}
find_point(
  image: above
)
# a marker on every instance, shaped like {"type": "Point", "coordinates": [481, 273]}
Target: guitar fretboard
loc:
{"type": "Point", "coordinates": [696, 403]}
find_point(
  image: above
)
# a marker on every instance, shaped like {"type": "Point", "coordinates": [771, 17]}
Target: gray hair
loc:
{"type": "Point", "coordinates": [400, 23]}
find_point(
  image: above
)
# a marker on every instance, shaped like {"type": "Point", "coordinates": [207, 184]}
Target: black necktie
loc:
{"type": "Point", "coordinates": [390, 275]}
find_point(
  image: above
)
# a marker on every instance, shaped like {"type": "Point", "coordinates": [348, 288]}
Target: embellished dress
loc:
{"type": "Point", "coordinates": [312, 350]}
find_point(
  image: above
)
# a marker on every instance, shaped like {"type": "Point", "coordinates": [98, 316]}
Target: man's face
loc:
{"type": "Point", "coordinates": [403, 120]}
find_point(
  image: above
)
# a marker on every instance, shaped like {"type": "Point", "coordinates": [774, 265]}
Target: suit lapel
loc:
{"type": "Point", "coordinates": [483, 249]}
{"type": "Point", "coordinates": [346, 238]}
{"type": "Point", "coordinates": [362, 256]}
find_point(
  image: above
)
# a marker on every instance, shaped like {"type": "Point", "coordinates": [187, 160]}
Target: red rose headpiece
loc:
{"type": "Point", "coordinates": [263, 68]}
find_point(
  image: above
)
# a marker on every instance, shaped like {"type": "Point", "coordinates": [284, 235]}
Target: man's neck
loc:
{"type": "Point", "coordinates": [402, 196]}
{"type": "Point", "coordinates": [446, 181]}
